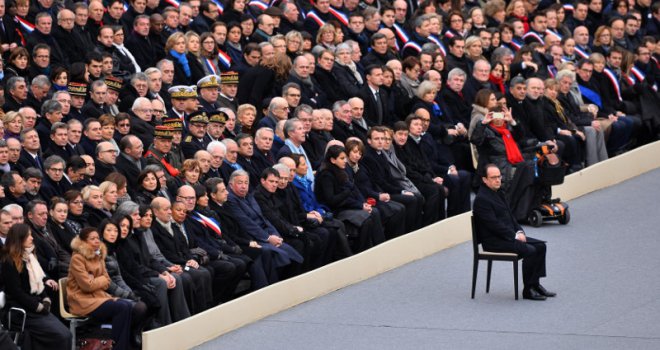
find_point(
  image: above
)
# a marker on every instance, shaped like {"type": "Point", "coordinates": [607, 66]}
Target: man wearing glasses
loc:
{"type": "Point", "coordinates": [54, 183]}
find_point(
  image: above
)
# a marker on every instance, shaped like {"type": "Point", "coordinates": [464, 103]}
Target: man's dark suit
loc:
{"type": "Point", "coordinates": [497, 228]}
{"type": "Point", "coordinates": [371, 108]}
{"type": "Point", "coordinates": [130, 170]}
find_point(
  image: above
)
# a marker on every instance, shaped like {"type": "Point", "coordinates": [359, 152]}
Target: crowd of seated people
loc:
{"type": "Point", "coordinates": [167, 157]}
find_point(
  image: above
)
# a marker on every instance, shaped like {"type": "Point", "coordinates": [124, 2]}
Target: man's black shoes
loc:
{"type": "Point", "coordinates": [533, 294]}
{"type": "Point", "coordinates": [544, 291]}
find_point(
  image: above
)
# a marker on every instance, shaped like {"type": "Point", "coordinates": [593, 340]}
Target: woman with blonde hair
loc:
{"type": "Point", "coordinates": [13, 122]}
{"type": "Point", "coordinates": [325, 37]}
{"type": "Point", "coordinates": [245, 115]}
{"type": "Point", "coordinates": [603, 40]}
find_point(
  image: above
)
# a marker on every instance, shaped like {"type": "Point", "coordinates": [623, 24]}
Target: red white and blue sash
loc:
{"type": "Point", "coordinates": [415, 46]}
{"type": "Point", "coordinates": [639, 75]}
{"type": "Point", "coordinates": [125, 7]}
{"type": "Point", "coordinates": [568, 7]}
{"type": "Point", "coordinates": [211, 66]}
{"type": "Point", "coordinates": [341, 17]}
{"type": "Point", "coordinates": [258, 4]}
{"type": "Point", "coordinates": [319, 21]}
{"type": "Point", "coordinates": [534, 35]}
{"type": "Point", "coordinates": [27, 26]}
{"type": "Point", "coordinates": [221, 7]}
{"type": "Point", "coordinates": [401, 34]}
{"type": "Point", "coordinates": [174, 3]}
{"type": "Point", "coordinates": [224, 58]}
{"type": "Point", "coordinates": [553, 33]}
{"type": "Point", "coordinates": [515, 45]}
{"type": "Point", "coordinates": [434, 39]}
{"type": "Point", "coordinates": [615, 82]}
{"type": "Point", "coordinates": [581, 52]}
{"type": "Point", "coordinates": [208, 222]}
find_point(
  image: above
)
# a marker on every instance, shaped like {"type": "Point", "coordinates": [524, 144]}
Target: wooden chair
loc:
{"type": "Point", "coordinates": [74, 320]}
{"type": "Point", "coordinates": [480, 254]}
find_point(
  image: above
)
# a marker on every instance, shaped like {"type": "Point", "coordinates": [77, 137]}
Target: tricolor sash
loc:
{"type": "Point", "coordinates": [415, 46]}
{"type": "Point", "coordinates": [341, 17]}
{"type": "Point", "coordinates": [224, 58]}
{"type": "Point", "coordinates": [438, 42]}
{"type": "Point", "coordinates": [640, 76]}
{"type": "Point", "coordinates": [27, 26]}
{"type": "Point", "coordinates": [615, 82]}
{"type": "Point", "coordinates": [319, 21]}
{"type": "Point", "coordinates": [221, 7]}
{"type": "Point", "coordinates": [258, 4]}
{"type": "Point", "coordinates": [209, 64]}
{"type": "Point", "coordinates": [174, 3]}
{"type": "Point", "coordinates": [401, 34]}
{"type": "Point", "coordinates": [554, 33]}
{"type": "Point", "coordinates": [534, 35]}
{"type": "Point", "coordinates": [207, 222]}
{"type": "Point", "coordinates": [581, 52]}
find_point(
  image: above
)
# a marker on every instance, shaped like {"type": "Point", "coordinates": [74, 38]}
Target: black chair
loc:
{"type": "Point", "coordinates": [480, 254]}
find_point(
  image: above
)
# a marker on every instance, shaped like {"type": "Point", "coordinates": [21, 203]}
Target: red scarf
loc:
{"type": "Point", "coordinates": [512, 151]}
{"type": "Point", "coordinates": [498, 82]}
{"type": "Point", "coordinates": [524, 20]}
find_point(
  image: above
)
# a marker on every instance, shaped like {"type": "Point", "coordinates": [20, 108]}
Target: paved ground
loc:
{"type": "Point", "coordinates": [604, 266]}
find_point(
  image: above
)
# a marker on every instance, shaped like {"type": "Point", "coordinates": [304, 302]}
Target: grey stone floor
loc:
{"type": "Point", "coordinates": [603, 265]}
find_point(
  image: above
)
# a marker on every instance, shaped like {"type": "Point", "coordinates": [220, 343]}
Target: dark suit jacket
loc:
{"type": "Point", "coordinates": [173, 247]}
{"type": "Point", "coordinates": [496, 226]}
{"type": "Point", "coordinates": [128, 169]}
{"type": "Point", "coordinates": [371, 109]}
{"type": "Point", "coordinates": [25, 161]}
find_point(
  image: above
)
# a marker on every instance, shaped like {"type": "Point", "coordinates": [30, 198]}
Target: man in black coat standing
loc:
{"type": "Point", "coordinates": [499, 231]}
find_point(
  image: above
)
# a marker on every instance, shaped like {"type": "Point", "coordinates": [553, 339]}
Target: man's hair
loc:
{"type": "Point", "coordinates": [93, 56]}
{"type": "Point", "coordinates": [290, 125]}
{"type": "Point", "coordinates": [125, 142]}
{"type": "Point", "coordinates": [55, 127]}
{"type": "Point", "coordinates": [29, 208]}
{"type": "Point", "coordinates": [302, 108]}
{"type": "Point", "coordinates": [50, 106]}
{"type": "Point", "coordinates": [13, 81]}
{"type": "Point", "coordinates": [7, 179]}
{"type": "Point", "coordinates": [269, 171]}
{"type": "Point", "coordinates": [517, 80]}
{"type": "Point", "coordinates": [41, 81]}
{"type": "Point", "coordinates": [237, 173]}
{"type": "Point", "coordinates": [456, 72]}
{"type": "Point", "coordinates": [32, 173]}
{"type": "Point", "coordinates": [52, 160]}
{"type": "Point", "coordinates": [212, 185]}
{"type": "Point", "coordinates": [375, 37]}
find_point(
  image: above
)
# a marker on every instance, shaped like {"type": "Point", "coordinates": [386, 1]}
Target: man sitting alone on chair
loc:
{"type": "Point", "coordinates": [499, 231]}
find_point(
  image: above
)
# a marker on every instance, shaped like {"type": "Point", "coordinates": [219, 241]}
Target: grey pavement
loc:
{"type": "Point", "coordinates": [604, 266]}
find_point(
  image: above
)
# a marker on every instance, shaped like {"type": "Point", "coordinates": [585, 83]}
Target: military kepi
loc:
{"type": "Point", "coordinates": [209, 81]}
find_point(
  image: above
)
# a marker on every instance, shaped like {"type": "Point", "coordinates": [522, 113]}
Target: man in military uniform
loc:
{"type": "Point", "coordinates": [195, 140]}
{"type": "Point", "coordinates": [181, 97]}
{"type": "Point", "coordinates": [207, 89]}
{"type": "Point", "coordinates": [216, 126]}
{"type": "Point", "coordinates": [78, 93]}
{"type": "Point", "coordinates": [159, 151]}
{"type": "Point", "coordinates": [176, 154]}
{"type": "Point", "coordinates": [228, 90]}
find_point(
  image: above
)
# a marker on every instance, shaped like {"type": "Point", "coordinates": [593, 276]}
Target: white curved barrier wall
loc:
{"type": "Point", "coordinates": [389, 255]}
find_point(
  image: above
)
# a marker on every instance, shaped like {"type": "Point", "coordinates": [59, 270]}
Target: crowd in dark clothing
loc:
{"type": "Point", "coordinates": [186, 153]}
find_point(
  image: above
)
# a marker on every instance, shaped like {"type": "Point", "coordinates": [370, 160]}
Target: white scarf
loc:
{"type": "Point", "coordinates": [35, 272]}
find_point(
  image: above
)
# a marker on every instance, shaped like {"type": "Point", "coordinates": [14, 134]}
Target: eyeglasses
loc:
{"type": "Point", "coordinates": [57, 170]}
{"type": "Point", "coordinates": [124, 125]}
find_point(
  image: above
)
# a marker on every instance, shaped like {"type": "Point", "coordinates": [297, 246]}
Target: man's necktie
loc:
{"type": "Point", "coordinates": [379, 107]}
